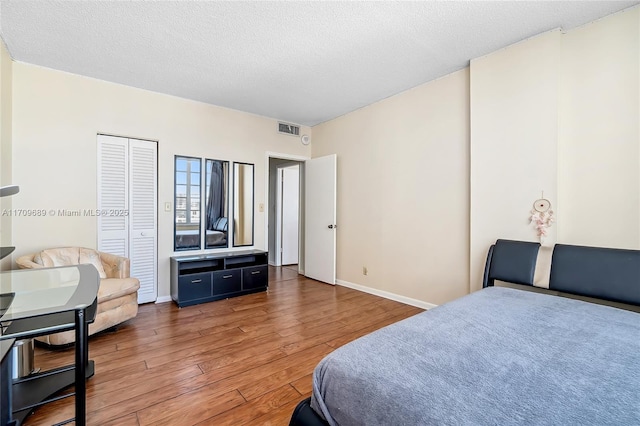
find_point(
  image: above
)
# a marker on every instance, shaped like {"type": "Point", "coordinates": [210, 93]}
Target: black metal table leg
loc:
{"type": "Point", "coordinates": [82, 356]}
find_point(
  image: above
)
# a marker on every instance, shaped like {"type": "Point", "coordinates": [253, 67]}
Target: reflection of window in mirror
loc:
{"type": "Point", "coordinates": [242, 204]}
{"type": "Point", "coordinates": [216, 204]}
{"type": "Point", "coordinates": [187, 203]}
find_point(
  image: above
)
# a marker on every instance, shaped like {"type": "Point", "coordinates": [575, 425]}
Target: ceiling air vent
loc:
{"type": "Point", "coordinates": [289, 129]}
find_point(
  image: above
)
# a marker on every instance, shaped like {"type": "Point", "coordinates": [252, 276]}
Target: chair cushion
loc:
{"type": "Point", "coordinates": [60, 256]}
{"type": "Point", "coordinates": [112, 288]}
{"type": "Point", "coordinates": [68, 256]}
{"type": "Point", "coordinates": [92, 257]}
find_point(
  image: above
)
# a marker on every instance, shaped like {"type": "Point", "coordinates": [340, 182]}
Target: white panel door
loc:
{"type": "Point", "coordinates": [320, 218]}
{"type": "Point", "coordinates": [290, 214]}
{"type": "Point", "coordinates": [113, 183]}
{"type": "Point", "coordinates": [143, 232]}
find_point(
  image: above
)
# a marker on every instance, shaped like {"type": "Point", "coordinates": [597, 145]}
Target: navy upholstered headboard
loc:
{"type": "Point", "coordinates": [610, 274]}
{"type": "Point", "coordinates": [512, 261]}
{"type": "Point", "coordinates": [603, 273]}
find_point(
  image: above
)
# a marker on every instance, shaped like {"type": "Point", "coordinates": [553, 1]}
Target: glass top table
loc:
{"type": "Point", "coordinates": [35, 302]}
{"type": "Point", "coordinates": [29, 293]}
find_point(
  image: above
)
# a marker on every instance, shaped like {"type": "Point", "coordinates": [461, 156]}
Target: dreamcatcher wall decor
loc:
{"type": "Point", "coordinates": [541, 217]}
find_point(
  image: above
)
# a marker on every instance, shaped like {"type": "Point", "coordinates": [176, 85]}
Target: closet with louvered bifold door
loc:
{"type": "Point", "coordinates": [128, 207]}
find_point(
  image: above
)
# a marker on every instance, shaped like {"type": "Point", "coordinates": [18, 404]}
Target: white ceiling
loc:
{"type": "Point", "coordinates": [302, 62]}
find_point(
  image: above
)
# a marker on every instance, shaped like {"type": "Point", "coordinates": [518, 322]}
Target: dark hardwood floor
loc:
{"type": "Point", "coordinates": [246, 360]}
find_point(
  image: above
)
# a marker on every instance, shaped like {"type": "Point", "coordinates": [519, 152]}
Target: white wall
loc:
{"type": "Point", "coordinates": [514, 136]}
{"type": "Point", "coordinates": [6, 203]}
{"type": "Point", "coordinates": [403, 190]}
{"type": "Point", "coordinates": [56, 117]}
{"type": "Point", "coordinates": [557, 113]}
{"type": "Point", "coordinates": [290, 214]}
{"type": "Point", "coordinates": [599, 145]}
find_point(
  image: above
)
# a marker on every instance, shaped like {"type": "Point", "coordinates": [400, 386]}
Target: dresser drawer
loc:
{"type": "Point", "coordinates": [225, 282]}
{"type": "Point", "coordinates": [255, 277]}
{"type": "Point", "coordinates": [194, 286]}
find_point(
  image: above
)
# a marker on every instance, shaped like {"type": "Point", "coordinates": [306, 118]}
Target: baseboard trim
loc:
{"type": "Point", "coordinates": [387, 295]}
{"type": "Point", "coordinates": [163, 299]}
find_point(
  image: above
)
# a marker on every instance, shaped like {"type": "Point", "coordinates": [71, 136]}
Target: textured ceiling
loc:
{"type": "Point", "coordinates": [302, 62]}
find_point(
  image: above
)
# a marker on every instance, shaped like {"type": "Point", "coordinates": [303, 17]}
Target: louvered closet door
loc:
{"type": "Point", "coordinates": [113, 181]}
{"type": "Point", "coordinates": [143, 216]}
{"type": "Point", "coordinates": [127, 181]}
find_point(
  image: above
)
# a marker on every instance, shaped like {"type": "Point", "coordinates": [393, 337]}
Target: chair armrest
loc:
{"type": "Point", "coordinates": [26, 262]}
{"type": "Point", "coordinates": [115, 266]}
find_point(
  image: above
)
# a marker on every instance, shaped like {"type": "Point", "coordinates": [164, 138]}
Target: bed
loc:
{"type": "Point", "coordinates": [189, 238]}
{"type": "Point", "coordinates": [500, 355]}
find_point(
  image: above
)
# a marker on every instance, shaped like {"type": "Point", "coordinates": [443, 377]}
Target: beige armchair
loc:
{"type": "Point", "coordinates": [117, 294]}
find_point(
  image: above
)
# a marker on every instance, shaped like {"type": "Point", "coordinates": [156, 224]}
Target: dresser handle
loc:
{"type": "Point", "coordinates": [227, 276]}
{"type": "Point", "coordinates": [255, 272]}
{"type": "Point", "coordinates": [195, 281]}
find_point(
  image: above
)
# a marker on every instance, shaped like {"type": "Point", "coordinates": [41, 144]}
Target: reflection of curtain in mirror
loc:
{"type": "Point", "coordinates": [225, 188]}
{"type": "Point", "coordinates": [215, 204]}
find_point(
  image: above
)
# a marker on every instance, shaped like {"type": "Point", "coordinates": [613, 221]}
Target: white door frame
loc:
{"type": "Point", "coordinates": [279, 156]}
{"type": "Point", "coordinates": [279, 255]}
{"type": "Point", "coordinates": [278, 222]}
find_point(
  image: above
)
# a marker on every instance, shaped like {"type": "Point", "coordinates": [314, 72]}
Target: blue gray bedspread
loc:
{"type": "Point", "coordinates": [499, 356]}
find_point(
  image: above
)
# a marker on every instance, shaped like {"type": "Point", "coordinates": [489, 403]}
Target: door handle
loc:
{"type": "Point", "coordinates": [332, 226]}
